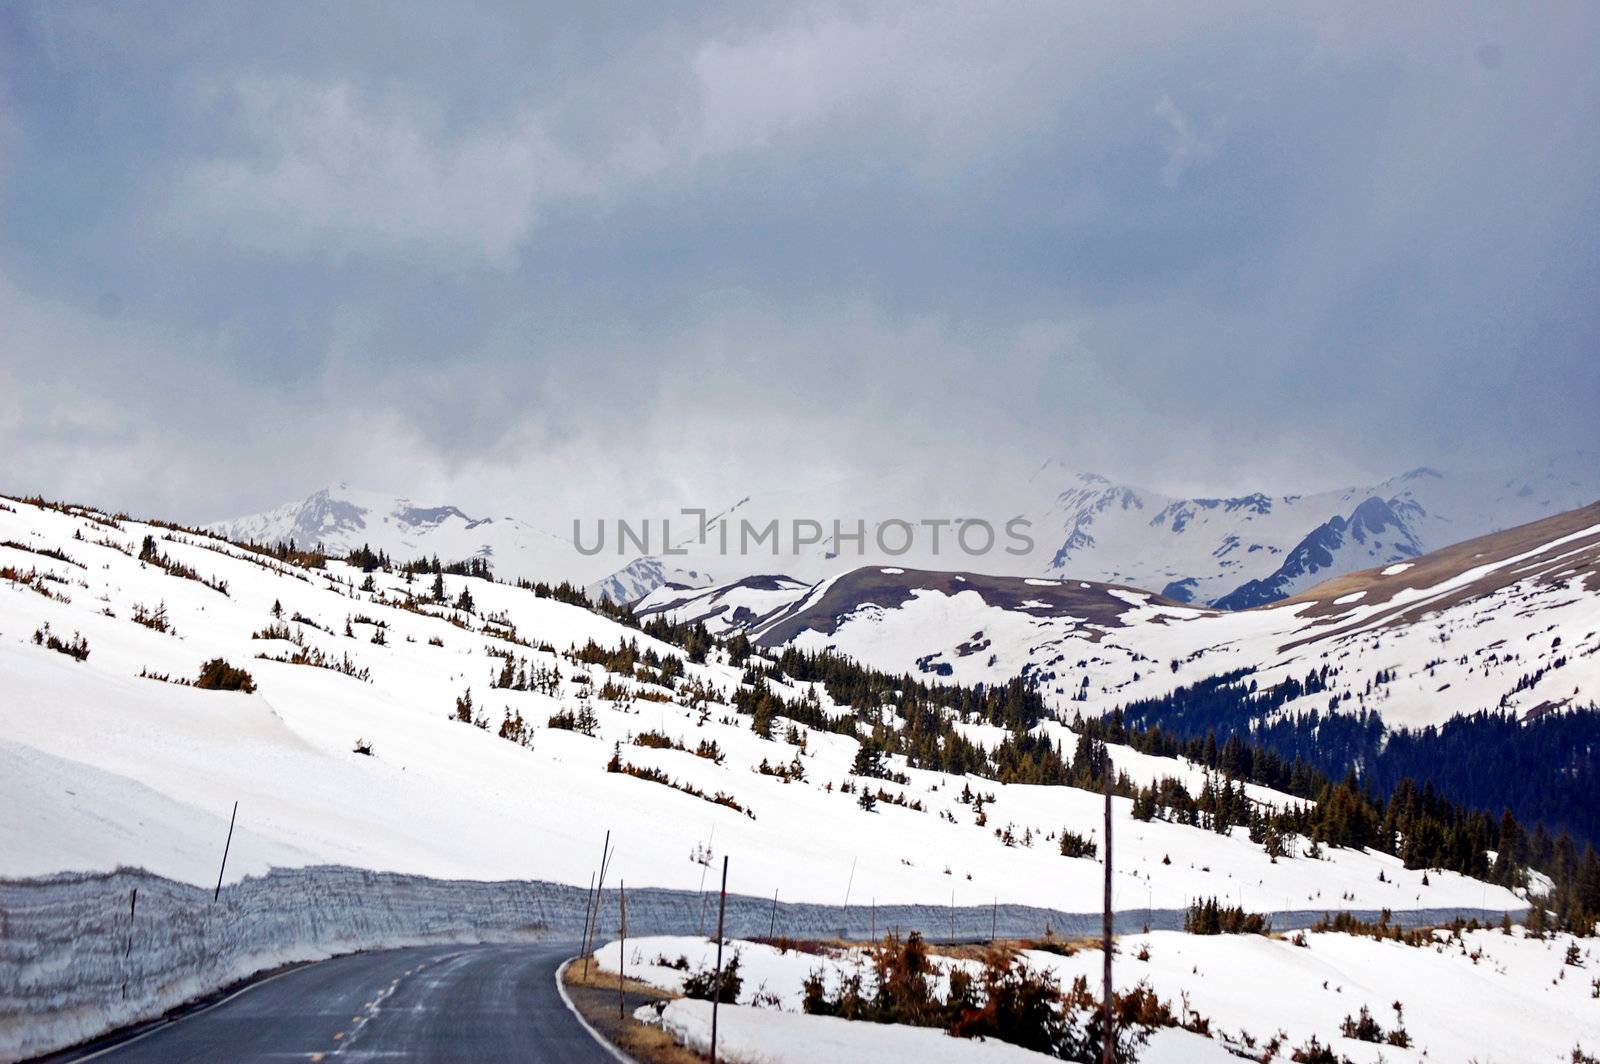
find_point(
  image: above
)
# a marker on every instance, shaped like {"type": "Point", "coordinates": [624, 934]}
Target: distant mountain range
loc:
{"type": "Point", "coordinates": [1230, 553]}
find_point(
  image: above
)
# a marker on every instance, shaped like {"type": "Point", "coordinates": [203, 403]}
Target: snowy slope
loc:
{"type": "Point", "coordinates": [1509, 621]}
{"type": "Point", "coordinates": [122, 768]}
{"type": "Point", "coordinates": [741, 606]}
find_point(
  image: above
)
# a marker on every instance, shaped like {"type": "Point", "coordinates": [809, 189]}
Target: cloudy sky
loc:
{"type": "Point", "coordinates": [523, 259]}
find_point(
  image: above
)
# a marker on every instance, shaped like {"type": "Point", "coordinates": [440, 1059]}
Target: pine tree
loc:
{"type": "Point", "coordinates": [868, 761]}
{"type": "Point", "coordinates": [761, 721]}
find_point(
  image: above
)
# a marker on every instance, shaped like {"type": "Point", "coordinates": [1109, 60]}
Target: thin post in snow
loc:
{"type": "Point", "coordinates": [847, 885]}
{"type": "Point", "coordinates": [127, 953]}
{"type": "Point", "coordinates": [772, 924]}
{"type": "Point", "coordinates": [599, 888]}
{"type": "Point", "coordinates": [588, 907]}
{"type": "Point", "coordinates": [622, 956]}
{"type": "Point", "coordinates": [1108, 1051]}
{"type": "Point", "coordinates": [716, 994]}
{"type": "Point", "coordinates": [705, 866]}
{"type": "Point", "coordinates": [599, 899]}
{"type": "Point", "coordinates": [225, 847]}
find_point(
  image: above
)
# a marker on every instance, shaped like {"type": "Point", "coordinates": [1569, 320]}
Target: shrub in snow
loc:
{"type": "Point", "coordinates": [1363, 1028]}
{"type": "Point", "coordinates": [76, 648]}
{"type": "Point", "coordinates": [155, 619]}
{"type": "Point", "coordinates": [704, 982]}
{"type": "Point", "coordinates": [218, 675]}
{"type": "Point", "coordinates": [583, 720]}
{"type": "Point", "coordinates": [1314, 1052]}
{"type": "Point", "coordinates": [1075, 845]}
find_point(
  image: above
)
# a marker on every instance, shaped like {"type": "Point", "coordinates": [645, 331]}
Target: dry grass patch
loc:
{"type": "Point", "coordinates": [600, 979]}
{"type": "Point", "coordinates": [595, 995]}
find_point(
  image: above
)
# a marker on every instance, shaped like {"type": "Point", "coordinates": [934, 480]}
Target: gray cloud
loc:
{"type": "Point", "coordinates": [542, 261]}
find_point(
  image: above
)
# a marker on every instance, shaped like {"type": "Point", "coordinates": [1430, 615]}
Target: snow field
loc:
{"type": "Point", "coordinates": [1485, 996]}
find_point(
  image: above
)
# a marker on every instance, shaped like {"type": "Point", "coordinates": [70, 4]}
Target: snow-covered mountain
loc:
{"type": "Point", "coordinates": [342, 518]}
{"type": "Point", "coordinates": [643, 575]}
{"type": "Point", "coordinates": [1508, 621]}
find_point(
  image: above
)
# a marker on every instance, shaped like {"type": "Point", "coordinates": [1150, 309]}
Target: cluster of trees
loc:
{"type": "Point", "coordinates": [518, 673]}
{"type": "Point", "coordinates": [478, 567]}
{"type": "Point", "coordinates": [1015, 706]}
{"type": "Point", "coordinates": [290, 553]}
{"type": "Point", "coordinates": [627, 659]}
{"type": "Point", "coordinates": [1208, 917]}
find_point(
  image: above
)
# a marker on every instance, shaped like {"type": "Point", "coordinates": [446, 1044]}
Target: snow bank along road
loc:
{"type": "Point", "coordinates": [425, 1003]}
{"type": "Point", "coordinates": [78, 957]}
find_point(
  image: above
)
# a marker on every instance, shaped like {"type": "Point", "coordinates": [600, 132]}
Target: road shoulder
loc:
{"type": "Point", "coordinates": [594, 1000]}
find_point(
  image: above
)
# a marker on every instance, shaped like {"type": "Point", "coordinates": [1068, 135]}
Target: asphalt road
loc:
{"type": "Point", "coordinates": [427, 1003]}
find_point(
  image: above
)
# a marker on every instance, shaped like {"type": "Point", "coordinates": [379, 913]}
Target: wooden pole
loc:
{"type": "Point", "coordinates": [599, 897]}
{"type": "Point", "coordinates": [588, 907]}
{"type": "Point", "coordinates": [716, 994]}
{"type": "Point", "coordinates": [622, 957]}
{"type": "Point", "coordinates": [599, 889]}
{"type": "Point", "coordinates": [225, 847]}
{"type": "Point", "coordinates": [1108, 1052]}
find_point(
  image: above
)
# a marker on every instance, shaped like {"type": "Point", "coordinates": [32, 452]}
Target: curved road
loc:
{"type": "Point", "coordinates": [424, 1003]}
